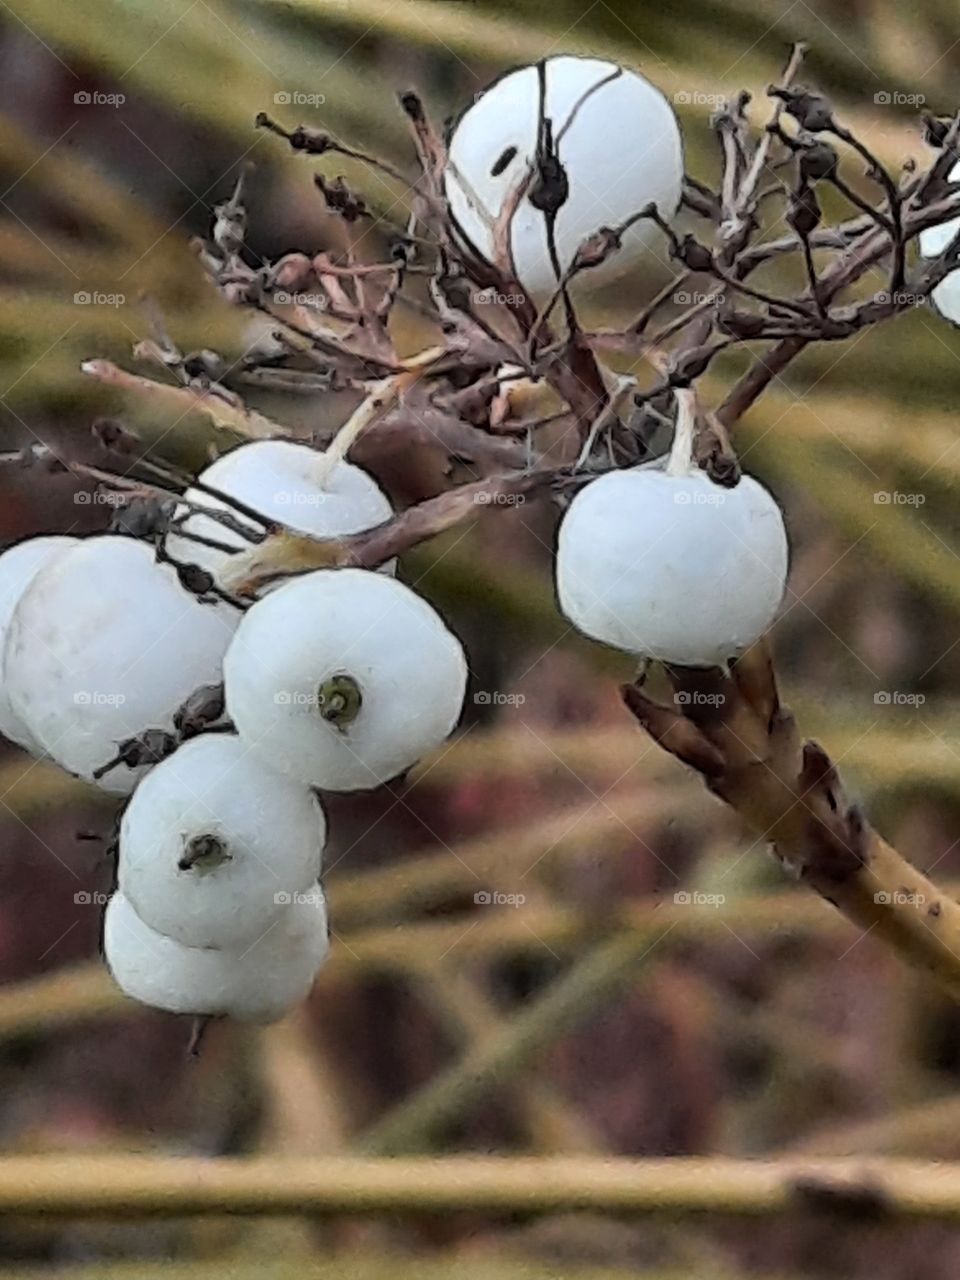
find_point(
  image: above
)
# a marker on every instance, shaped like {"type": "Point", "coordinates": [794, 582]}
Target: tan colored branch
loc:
{"type": "Point", "coordinates": [733, 730]}
{"type": "Point", "coordinates": [135, 1186]}
{"type": "Point", "coordinates": [224, 410]}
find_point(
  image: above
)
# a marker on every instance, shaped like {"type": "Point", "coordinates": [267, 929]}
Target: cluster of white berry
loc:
{"type": "Point", "coordinates": [342, 678]}
{"type": "Point", "coordinates": [337, 680]}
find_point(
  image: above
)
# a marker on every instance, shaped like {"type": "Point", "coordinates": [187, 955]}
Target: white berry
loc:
{"type": "Point", "coordinates": [284, 482]}
{"type": "Point", "coordinates": [946, 296]}
{"type": "Point", "coordinates": [618, 141]}
{"type": "Point", "coordinates": [19, 565]}
{"type": "Point", "coordinates": [278, 971]}
{"type": "Point", "coordinates": [258, 983]}
{"type": "Point", "coordinates": [344, 678]}
{"type": "Point", "coordinates": [103, 645]}
{"type": "Point", "coordinates": [672, 567]}
{"type": "Point", "coordinates": [212, 841]}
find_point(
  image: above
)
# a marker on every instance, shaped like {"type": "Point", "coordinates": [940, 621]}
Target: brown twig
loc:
{"type": "Point", "coordinates": [733, 730]}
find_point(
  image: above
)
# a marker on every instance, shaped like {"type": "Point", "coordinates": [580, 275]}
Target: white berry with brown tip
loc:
{"type": "Point", "coordinates": [344, 678]}
{"type": "Point", "coordinates": [212, 838]}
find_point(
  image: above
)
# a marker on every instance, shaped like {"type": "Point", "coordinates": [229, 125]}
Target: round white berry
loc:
{"type": "Point", "coordinates": [284, 482]}
{"type": "Point", "coordinates": [618, 142]}
{"type": "Point", "coordinates": [19, 565]}
{"type": "Point", "coordinates": [277, 972]}
{"type": "Point", "coordinates": [344, 678]}
{"type": "Point", "coordinates": [212, 842]}
{"type": "Point", "coordinates": [259, 983]}
{"type": "Point", "coordinates": [946, 296]}
{"type": "Point", "coordinates": [103, 645]}
{"type": "Point", "coordinates": [672, 567]}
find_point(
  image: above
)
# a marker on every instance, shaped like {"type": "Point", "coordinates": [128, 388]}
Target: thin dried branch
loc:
{"type": "Point", "coordinates": [285, 553]}
{"type": "Point", "coordinates": [222, 407]}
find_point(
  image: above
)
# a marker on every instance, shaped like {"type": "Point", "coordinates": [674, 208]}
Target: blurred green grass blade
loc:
{"type": "Point", "coordinates": [209, 63]}
{"type": "Point", "coordinates": [915, 552]}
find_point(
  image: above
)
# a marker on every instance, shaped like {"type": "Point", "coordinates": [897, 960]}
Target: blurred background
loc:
{"type": "Point", "coordinates": [550, 939]}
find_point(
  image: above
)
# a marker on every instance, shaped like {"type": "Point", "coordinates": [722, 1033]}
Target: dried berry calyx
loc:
{"type": "Point", "coordinates": [203, 853]}
{"type": "Point", "coordinates": [818, 161]}
{"type": "Point", "coordinates": [340, 700]}
{"type": "Point", "coordinates": [812, 111]}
